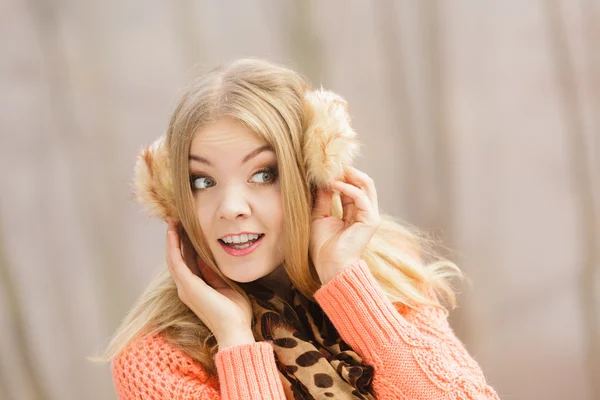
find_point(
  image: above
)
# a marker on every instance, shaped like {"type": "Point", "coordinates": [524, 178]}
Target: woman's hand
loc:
{"type": "Point", "coordinates": [223, 310]}
{"type": "Point", "coordinates": [336, 243]}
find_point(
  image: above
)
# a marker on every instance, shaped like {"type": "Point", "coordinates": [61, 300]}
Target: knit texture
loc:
{"type": "Point", "coordinates": [414, 353]}
{"type": "Point", "coordinates": [249, 371]}
{"type": "Point", "coordinates": [153, 369]}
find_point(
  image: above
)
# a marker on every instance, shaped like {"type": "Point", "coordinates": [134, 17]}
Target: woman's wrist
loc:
{"type": "Point", "coordinates": [330, 272]}
{"type": "Point", "coordinates": [235, 338]}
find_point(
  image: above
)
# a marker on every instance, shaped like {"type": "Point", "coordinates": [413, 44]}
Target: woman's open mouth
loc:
{"type": "Point", "coordinates": [248, 245]}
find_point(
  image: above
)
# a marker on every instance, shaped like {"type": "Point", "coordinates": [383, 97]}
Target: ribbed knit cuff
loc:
{"type": "Point", "coordinates": [248, 371]}
{"type": "Point", "coordinates": [360, 311]}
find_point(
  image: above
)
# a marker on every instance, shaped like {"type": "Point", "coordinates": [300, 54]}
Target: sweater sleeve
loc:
{"type": "Point", "coordinates": [152, 368]}
{"type": "Point", "coordinates": [414, 356]}
{"type": "Point", "coordinates": [249, 371]}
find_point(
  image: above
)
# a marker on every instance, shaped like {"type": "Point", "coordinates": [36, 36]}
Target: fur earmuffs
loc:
{"type": "Point", "coordinates": [329, 145]}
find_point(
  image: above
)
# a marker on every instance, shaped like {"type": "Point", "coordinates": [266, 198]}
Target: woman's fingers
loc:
{"type": "Point", "coordinates": [170, 244]}
{"type": "Point", "coordinates": [210, 276]}
{"type": "Point", "coordinates": [364, 182]}
{"type": "Point", "coordinates": [180, 272]}
{"type": "Point", "coordinates": [348, 208]}
{"type": "Point", "coordinates": [190, 267]}
{"type": "Point", "coordinates": [322, 207]}
{"type": "Point", "coordinates": [358, 196]}
{"type": "Point", "coordinates": [189, 253]}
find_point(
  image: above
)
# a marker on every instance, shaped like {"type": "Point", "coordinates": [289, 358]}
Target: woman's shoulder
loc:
{"type": "Point", "coordinates": [154, 364]}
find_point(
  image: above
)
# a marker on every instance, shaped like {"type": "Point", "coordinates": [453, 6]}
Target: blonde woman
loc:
{"type": "Point", "coordinates": [282, 279]}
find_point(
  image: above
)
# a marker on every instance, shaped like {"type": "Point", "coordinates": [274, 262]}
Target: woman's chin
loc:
{"type": "Point", "coordinates": [246, 270]}
{"type": "Point", "coordinates": [244, 274]}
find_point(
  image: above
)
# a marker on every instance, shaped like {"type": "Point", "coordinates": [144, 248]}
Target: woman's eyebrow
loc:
{"type": "Point", "coordinates": [247, 158]}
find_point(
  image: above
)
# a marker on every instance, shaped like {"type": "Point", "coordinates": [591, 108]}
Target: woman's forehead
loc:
{"type": "Point", "coordinates": [226, 131]}
{"type": "Point", "coordinates": [226, 138]}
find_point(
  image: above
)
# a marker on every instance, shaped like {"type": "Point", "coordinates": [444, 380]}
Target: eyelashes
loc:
{"type": "Point", "coordinates": [195, 178]}
{"type": "Point", "coordinates": [271, 171]}
{"type": "Point", "coordinates": [206, 182]}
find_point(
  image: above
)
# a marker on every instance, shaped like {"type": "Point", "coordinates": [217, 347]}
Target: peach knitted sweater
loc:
{"type": "Point", "coordinates": [414, 353]}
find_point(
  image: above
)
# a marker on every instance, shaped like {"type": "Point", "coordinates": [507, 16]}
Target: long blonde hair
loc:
{"type": "Point", "coordinates": [269, 99]}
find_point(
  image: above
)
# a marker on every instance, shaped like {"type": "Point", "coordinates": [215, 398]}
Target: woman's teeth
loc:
{"type": "Point", "coordinates": [243, 246]}
{"type": "Point", "coordinates": [241, 241]}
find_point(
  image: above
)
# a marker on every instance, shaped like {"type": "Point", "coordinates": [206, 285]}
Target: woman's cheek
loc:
{"type": "Point", "coordinates": [206, 214]}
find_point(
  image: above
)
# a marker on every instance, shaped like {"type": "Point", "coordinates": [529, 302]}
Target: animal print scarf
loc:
{"type": "Point", "coordinates": [313, 360]}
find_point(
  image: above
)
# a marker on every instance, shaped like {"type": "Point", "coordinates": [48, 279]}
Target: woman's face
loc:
{"type": "Point", "coordinates": [235, 183]}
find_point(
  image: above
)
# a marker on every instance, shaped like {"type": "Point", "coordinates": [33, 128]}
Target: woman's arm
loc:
{"type": "Point", "coordinates": [421, 359]}
{"type": "Point", "coordinates": [152, 368]}
{"type": "Point", "coordinates": [248, 371]}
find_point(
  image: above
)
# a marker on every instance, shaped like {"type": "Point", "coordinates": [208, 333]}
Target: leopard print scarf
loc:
{"type": "Point", "coordinates": [313, 360]}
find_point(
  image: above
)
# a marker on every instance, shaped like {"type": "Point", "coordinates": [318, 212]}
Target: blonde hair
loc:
{"type": "Point", "coordinates": [269, 99]}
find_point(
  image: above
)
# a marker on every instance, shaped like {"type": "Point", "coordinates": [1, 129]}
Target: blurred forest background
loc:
{"type": "Point", "coordinates": [480, 122]}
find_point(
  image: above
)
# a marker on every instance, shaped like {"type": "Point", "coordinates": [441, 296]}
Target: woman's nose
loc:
{"type": "Point", "coordinates": [234, 205]}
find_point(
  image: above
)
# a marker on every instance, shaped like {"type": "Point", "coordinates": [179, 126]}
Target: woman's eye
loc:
{"type": "Point", "coordinates": [202, 182]}
{"type": "Point", "coordinates": [263, 176]}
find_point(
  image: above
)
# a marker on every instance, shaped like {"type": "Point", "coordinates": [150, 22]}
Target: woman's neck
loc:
{"type": "Point", "coordinates": [279, 282]}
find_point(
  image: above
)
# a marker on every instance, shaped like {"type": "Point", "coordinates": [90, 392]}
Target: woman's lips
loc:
{"type": "Point", "coordinates": [242, 252]}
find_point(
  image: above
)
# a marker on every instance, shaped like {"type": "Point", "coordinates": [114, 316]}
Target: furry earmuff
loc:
{"type": "Point", "coordinates": [329, 145]}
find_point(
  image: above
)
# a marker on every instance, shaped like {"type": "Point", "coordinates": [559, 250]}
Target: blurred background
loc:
{"type": "Point", "coordinates": [480, 123]}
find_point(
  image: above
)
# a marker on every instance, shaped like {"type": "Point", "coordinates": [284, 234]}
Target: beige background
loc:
{"type": "Point", "coordinates": [480, 122]}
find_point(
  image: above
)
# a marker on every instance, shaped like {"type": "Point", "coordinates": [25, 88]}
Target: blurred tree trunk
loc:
{"type": "Point", "coordinates": [579, 168]}
{"type": "Point", "coordinates": [88, 151]}
{"type": "Point", "coordinates": [4, 390]}
{"type": "Point", "coordinates": [304, 44]}
{"type": "Point", "coordinates": [44, 17]}
{"type": "Point", "coordinates": [16, 323]}
{"type": "Point", "coordinates": [189, 35]}
{"type": "Point", "coordinates": [440, 143]}
{"type": "Point", "coordinates": [393, 54]}
{"type": "Point", "coordinates": [591, 25]}
{"type": "Point", "coordinates": [96, 209]}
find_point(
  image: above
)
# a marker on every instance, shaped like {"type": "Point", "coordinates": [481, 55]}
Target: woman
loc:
{"type": "Point", "coordinates": [283, 280]}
